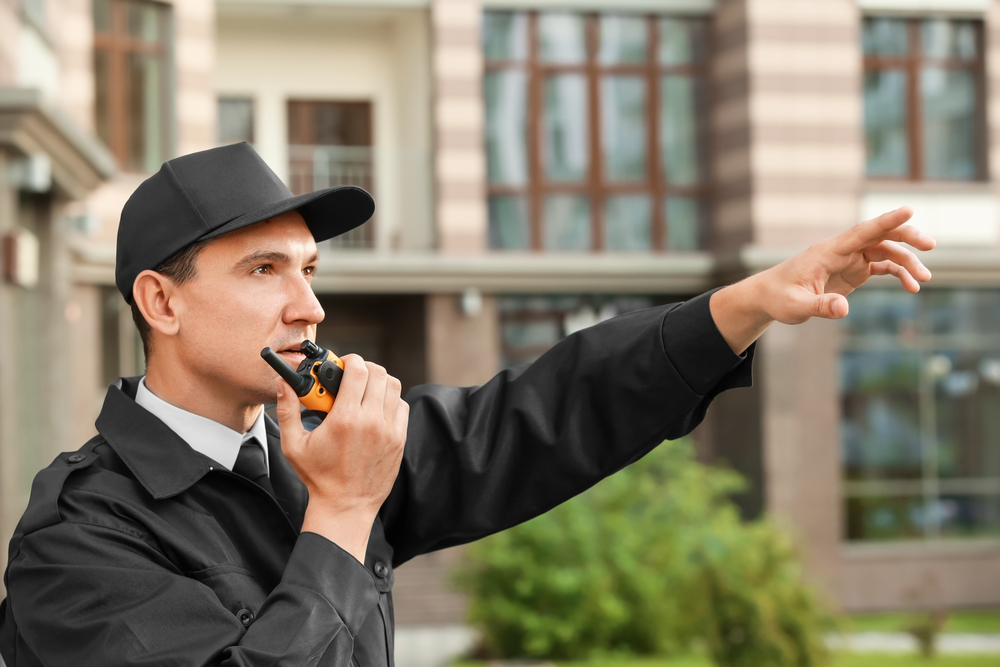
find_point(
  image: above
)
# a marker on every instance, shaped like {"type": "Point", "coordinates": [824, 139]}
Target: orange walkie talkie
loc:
{"type": "Point", "coordinates": [316, 380]}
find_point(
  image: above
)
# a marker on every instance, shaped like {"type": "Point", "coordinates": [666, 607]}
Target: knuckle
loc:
{"type": "Point", "coordinates": [394, 383]}
{"type": "Point", "coordinates": [376, 371]}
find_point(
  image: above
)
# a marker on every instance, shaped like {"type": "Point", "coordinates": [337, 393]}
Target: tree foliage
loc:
{"type": "Point", "coordinates": [650, 561]}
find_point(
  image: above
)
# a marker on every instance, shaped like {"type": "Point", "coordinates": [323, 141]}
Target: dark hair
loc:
{"type": "Point", "coordinates": [179, 268]}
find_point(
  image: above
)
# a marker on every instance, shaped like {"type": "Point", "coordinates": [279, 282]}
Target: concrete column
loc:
{"type": "Point", "coordinates": [194, 63]}
{"type": "Point", "coordinates": [462, 349]}
{"type": "Point", "coordinates": [10, 28]}
{"type": "Point", "coordinates": [460, 160]}
{"type": "Point", "coordinates": [787, 121]}
{"type": "Point", "coordinates": [10, 464]}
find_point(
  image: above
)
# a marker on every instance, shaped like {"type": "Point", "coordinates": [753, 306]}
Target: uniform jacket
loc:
{"type": "Point", "coordinates": [137, 550]}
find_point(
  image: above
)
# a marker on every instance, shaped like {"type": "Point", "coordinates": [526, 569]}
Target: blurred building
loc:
{"type": "Point", "coordinates": [540, 165]}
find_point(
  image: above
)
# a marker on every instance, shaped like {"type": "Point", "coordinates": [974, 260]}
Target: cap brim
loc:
{"type": "Point", "coordinates": [328, 213]}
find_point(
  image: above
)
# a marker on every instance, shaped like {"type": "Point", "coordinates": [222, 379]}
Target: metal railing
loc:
{"type": "Point", "coordinates": [317, 167]}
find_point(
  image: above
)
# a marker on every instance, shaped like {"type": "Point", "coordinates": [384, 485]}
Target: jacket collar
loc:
{"type": "Point", "coordinates": [165, 465]}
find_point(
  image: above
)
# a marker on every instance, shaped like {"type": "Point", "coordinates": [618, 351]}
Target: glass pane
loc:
{"type": "Point", "coordinates": [144, 113]}
{"type": "Point", "coordinates": [967, 402]}
{"type": "Point", "coordinates": [505, 36]}
{"type": "Point", "coordinates": [679, 129]}
{"type": "Point", "coordinates": [102, 15]}
{"type": "Point", "coordinates": [885, 518]}
{"type": "Point", "coordinates": [964, 313]}
{"type": "Point", "coordinates": [566, 145]}
{"type": "Point", "coordinates": [623, 40]}
{"type": "Point", "coordinates": [627, 223]}
{"type": "Point", "coordinates": [885, 37]}
{"type": "Point", "coordinates": [886, 149]}
{"type": "Point", "coordinates": [531, 334]}
{"type": "Point", "coordinates": [506, 123]}
{"type": "Point", "coordinates": [509, 228]}
{"type": "Point", "coordinates": [877, 315]}
{"type": "Point", "coordinates": [880, 406]}
{"type": "Point", "coordinates": [623, 132]}
{"type": "Point", "coordinates": [562, 38]}
{"type": "Point", "coordinates": [968, 515]}
{"type": "Point", "coordinates": [143, 21]}
{"type": "Point", "coordinates": [941, 38]}
{"type": "Point", "coordinates": [685, 220]}
{"type": "Point", "coordinates": [567, 223]}
{"type": "Point", "coordinates": [235, 120]}
{"type": "Point", "coordinates": [102, 99]}
{"type": "Point", "coordinates": [949, 106]}
{"type": "Point", "coordinates": [682, 41]}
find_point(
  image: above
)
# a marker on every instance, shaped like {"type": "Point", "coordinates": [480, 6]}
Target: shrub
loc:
{"type": "Point", "coordinates": [648, 562]}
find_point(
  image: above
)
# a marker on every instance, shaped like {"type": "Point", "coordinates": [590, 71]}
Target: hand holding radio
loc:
{"type": "Point", "coordinates": [350, 461]}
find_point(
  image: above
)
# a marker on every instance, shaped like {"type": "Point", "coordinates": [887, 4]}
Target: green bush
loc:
{"type": "Point", "coordinates": [650, 561]}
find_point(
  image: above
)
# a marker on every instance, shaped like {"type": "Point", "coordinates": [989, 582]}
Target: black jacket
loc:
{"type": "Point", "coordinates": [137, 550]}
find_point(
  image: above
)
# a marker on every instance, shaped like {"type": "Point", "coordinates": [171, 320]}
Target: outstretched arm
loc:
{"type": "Point", "coordinates": [816, 282]}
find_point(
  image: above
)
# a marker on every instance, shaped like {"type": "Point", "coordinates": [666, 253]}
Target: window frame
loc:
{"type": "Point", "coordinates": [118, 45]}
{"type": "Point", "coordinates": [596, 186]}
{"type": "Point", "coordinates": [912, 64]}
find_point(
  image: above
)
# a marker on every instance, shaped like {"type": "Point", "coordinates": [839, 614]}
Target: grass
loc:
{"type": "Point", "coordinates": [984, 621]}
{"type": "Point", "coordinates": [843, 660]}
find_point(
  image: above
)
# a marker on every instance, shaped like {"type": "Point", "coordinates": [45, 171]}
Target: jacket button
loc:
{"type": "Point", "coordinates": [245, 616]}
{"type": "Point", "coordinates": [76, 458]}
{"type": "Point", "coordinates": [381, 570]}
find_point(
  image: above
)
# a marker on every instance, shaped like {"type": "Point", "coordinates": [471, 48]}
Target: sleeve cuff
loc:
{"type": "Point", "coordinates": [320, 565]}
{"type": "Point", "coordinates": [696, 348]}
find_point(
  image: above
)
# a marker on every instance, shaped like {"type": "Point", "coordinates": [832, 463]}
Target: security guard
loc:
{"type": "Point", "coordinates": [194, 530]}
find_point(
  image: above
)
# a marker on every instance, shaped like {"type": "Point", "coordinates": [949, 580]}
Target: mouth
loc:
{"type": "Point", "coordinates": [291, 354]}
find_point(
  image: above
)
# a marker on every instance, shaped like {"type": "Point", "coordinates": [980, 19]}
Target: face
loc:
{"type": "Point", "coordinates": [252, 289]}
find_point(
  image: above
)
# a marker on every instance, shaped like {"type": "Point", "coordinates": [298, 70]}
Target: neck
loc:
{"type": "Point", "coordinates": [197, 395]}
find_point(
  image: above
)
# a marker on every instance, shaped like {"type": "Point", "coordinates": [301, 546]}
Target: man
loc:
{"type": "Point", "coordinates": [188, 532]}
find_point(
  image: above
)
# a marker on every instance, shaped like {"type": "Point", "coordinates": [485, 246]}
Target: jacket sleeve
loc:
{"type": "Point", "coordinates": [481, 459]}
{"type": "Point", "coordinates": [117, 601]}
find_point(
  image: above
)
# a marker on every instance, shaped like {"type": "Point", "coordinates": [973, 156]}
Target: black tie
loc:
{"type": "Point", "coordinates": [250, 463]}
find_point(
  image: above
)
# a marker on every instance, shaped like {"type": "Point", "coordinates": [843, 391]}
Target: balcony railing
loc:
{"type": "Point", "coordinates": [318, 167]}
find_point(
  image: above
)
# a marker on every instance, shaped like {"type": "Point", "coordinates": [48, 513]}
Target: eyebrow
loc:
{"type": "Point", "coordinates": [270, 257]}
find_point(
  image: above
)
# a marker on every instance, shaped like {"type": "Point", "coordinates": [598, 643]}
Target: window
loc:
{"type": "Point", "coordinates": [330, 143]}
{"type": "Point", "coordinates": [594, 133]}
{"type": "Point", "coordinates": [132, 112]}
{"type": "Point", "coordinates": [923, 99]}
{"type": "Point", "coordinates": [531, 324]}
{"type": "Point", "coordinates": [921, 407]}
{"type": "Point", "coordinates": [235, 122]}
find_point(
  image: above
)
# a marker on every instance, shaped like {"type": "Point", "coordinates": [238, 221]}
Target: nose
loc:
{"type": "Point", "coordinates": [303, 306]}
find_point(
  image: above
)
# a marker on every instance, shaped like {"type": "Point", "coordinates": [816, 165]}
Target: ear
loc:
{"type": "Point", "coordinates": [153, 293]}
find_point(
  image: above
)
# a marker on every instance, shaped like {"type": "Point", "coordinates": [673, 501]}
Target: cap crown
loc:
{"type": "Point", "coordinates": [189, 198]}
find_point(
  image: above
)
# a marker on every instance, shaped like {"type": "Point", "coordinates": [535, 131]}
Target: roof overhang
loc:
{"type": "Point", "coordinates": [31, 127]}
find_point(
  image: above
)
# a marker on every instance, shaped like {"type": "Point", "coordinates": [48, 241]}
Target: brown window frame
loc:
{"type": "Point", "coordinates": [596, 186]}
{"type": "Point", "coordinates": [118, 45]}
{"type": "Point", "coordinates": [912, 63]}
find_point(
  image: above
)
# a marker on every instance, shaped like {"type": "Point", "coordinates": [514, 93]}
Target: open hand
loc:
{"type": "Point", "coordinates": [816, 282]}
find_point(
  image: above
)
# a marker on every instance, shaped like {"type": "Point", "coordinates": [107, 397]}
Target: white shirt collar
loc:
{"type": "Point", "coordinates": [219, 443]}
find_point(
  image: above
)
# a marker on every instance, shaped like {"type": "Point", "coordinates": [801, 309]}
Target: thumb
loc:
{"type": "Point", "coordinates": [831, 306]}
{"type": "Point", "coordinates": [289, 418]}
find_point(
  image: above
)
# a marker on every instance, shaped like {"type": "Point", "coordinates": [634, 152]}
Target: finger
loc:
{"type": "Point", "coordinates": [888, 268]}
{"type": "Point", "coordinates": [402, 420]}
{"type": "Point", "coordinates": [867, 234]}
{"type": "Point", "coordinates": [374, 398]}
{"type": "Point", "coordinates": [830, 306]}
{"type": "Point", "coordinates": [888, 250]}
{"type": "Point", "coordinates": [352, 385]}
{"type": "Point", "coordinates": [393, 388]}
{"type": "Point", "coordinates": [289, 419]}
{"type": "Point", "coordinates": [912, 236]}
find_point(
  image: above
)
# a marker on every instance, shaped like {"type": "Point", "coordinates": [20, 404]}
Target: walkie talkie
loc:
{"type": "Point", "coordinates": [316, 380]}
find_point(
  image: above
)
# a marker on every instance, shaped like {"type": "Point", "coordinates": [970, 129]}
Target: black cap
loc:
{"type": "Point", "coordinates": [203, 195]}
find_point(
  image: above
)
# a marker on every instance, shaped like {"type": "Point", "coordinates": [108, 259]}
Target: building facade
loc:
{"type": "Point", "coordinates": [541, 165]}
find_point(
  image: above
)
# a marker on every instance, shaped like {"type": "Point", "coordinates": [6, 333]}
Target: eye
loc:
{"type": "Point", "coordinates": [262, 270]}
{"type": "Point", "coordinates": [309, 270]}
